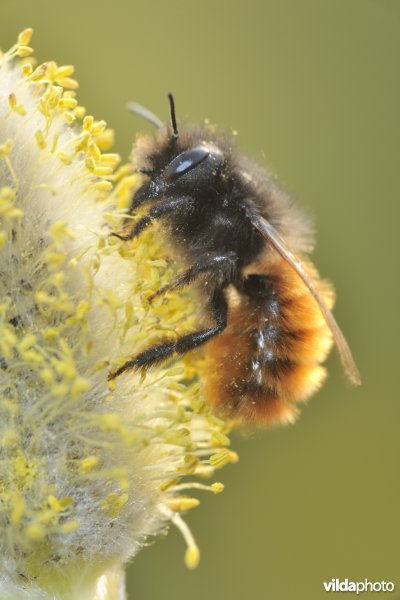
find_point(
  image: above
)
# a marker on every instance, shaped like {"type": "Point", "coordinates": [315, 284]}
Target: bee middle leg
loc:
{"type": "Point", "coordinates": [219, 265]}
{"type": "Point", "coordinates": [160, 352]}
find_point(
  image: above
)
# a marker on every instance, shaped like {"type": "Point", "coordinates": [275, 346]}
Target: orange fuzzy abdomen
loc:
{"type": "Point", "coordinates": [269, 357]}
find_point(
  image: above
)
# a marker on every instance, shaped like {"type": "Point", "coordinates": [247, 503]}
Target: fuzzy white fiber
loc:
{"type": "Point", "coordinates": [84, 469]}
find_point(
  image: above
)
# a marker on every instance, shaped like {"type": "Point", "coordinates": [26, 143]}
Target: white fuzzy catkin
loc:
{"type": "Point", "coordinates": [87, 472]}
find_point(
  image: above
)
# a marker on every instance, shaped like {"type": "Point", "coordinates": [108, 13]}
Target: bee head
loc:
{"type": "Point", "coordinates": [182, 164]}
{"type": "Point", "coordinates": [197, 166]}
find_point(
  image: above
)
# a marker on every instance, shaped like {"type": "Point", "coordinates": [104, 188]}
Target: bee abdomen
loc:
{"type": "Point", "coordinates": [269, 357]}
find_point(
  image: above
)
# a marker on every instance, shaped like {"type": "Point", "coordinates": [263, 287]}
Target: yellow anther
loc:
{"type": "Point", "coordinates": [40, 72]}
{"type": "Point", "coordinates": [99, 127]}
{"type": "Point", "coordinates": [27, 69]}
{"type": "Point", "coordinates": [54, 143]}
{"type": "Point", "coordinates": [120, 475]}
{"type": "Point", "coordinates": [217, 487]}
{"type": "Point", "coordinates": [82, 142]}
{"type": "Point", "coordinates": [41, 142]}
{"type": "Point", "coordinates": [66, 368]}
{"type": "Point", "coordinates": [7, 194]}
{"type": "Point", "coordinates": [59, 505]}
{"type": "Point", "coordinates": [127, 185]}
{"type": "Point", "coordinates": [180, 437]}
{"type": "Point", "coordinates": [114, 503]}
{"type": "Point", "coordinates": [90, 163]}
{"type": "Point", "coordinates": [24, 51]}
{"type": "Point", "coordinates": [35, 532]}
{"type": "Point", "coordinates": [47, 376]}
{"type": "Point", "coordinates": [220, 439]}
{"type": "Point", "coordinates": [79, 386]}
{"type": "Point", "coordinates": [69, 117]}
{"type": "Point", "coordinates": [31, 356]}
{"type": "Point", "coordinates": [12, 100]}
{"type": "Point", "coordinates": [19, 109]}
{"type": "Point", "coordinates": [61, 390]}
{"type": "Point", "coordinates": [189, 468]}
{"type": "Point", "coordinates": [51, 69]}
{"type": "Point", "coordinates": [68, 82]}
{"type": "Point", "coordinates": [168, 484]}
{"type": "Point", "coordinates": [233, 457]}
{"type": "Point", "coordinates": [102, 171]}
{"type": "Point", "coordinates": [88, 464]}
{"type": "Point", "coordinates": [79, 112]}
{"type": "Point", "coordinates": [9, 337]}
{"type": "Point", "coordinates": [6, 147]}
{"type": "Point", "coordinates": [222, 458]}
{"type": "Point", "coordinates": [69, 526]}
{"type": "Point", "coordinates": [88, 123]}
{"type": "Point", "coordinates": [59, 231]}
{"type": "Point", "coordinates": [110, 422]}
{"type": "Point", "coordinates": [111, 159]}
{"type": "Point", "coordinates": [50, 333]}
{"type": "Point", "coordinates": [25, 36]}
{"type": "Point", "coordinates": [105, 140]}
{"type": "Point", "coordinates": [53, 96]}
{"type": "Point", "coordinates": [82, 309]}
{"type": "Point", "coordinates": [18, 508]}
{"type": "Point", "coordinates": [179, 504]}
{"type": "Point", "coordinates": [23, 467]}
{"type": "Point", "coordinates": [65, 71]}
{"type": "Point", "coordinates": [123, 171]}
{"type": "Point", "coordinates": [27, 342]}
{"type": "Point", "coordinates": [65, 158]}
{"type": "Point", "coordinates": [103, 186]}
{"type": "Point", "coordinates": [192, 557]}
{"type": "Point", "coordinates": [94, 151]}
{"type": "Point", "coordinates": [67, 103]}
{"type": "Point", "coordinates": [11, 212]}
{"type": "Point", "coordinates": [55, 259]}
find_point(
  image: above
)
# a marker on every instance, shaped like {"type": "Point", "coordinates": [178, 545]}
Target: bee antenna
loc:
{"type": "Point", "coordinates": [175, 133]}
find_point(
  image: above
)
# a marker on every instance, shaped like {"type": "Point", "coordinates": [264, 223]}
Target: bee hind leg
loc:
{"type": "Point", "coordinates": [160, 352]}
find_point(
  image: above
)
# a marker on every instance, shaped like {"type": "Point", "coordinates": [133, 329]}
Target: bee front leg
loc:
{"type": "Point", "coordinates": [156, 212]}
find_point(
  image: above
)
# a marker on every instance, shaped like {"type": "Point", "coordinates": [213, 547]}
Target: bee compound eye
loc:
{"type": "Point", "coordinates": [185, 162]}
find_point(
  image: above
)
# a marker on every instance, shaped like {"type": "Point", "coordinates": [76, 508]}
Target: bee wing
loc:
{"type": "Point", "coordinates": [272, 236]}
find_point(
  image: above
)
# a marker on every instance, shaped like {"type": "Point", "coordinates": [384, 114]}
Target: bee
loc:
{"type": "Point", "coordinates": [269, 324]}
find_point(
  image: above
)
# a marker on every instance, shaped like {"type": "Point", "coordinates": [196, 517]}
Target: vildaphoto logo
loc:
{"type": "Point", "coordinates": [345, 585]}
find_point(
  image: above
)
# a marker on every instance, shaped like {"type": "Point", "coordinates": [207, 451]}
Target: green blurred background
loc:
{"type": "Point", "coordinates": [312, 87]}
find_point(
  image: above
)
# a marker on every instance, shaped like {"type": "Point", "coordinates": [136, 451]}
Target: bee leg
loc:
{"type": "Point", "coordinates": [219, 310]}
{"type": "Point", "coordinates": [156, 212]}
{"type": "Point", "coordinates": [161, 352]}
{"type": "Point", "coordinates": [217, 264]}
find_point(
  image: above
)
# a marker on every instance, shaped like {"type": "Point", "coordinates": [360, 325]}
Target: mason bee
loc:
{"type": "Point", "coordinates": [269, 321]}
